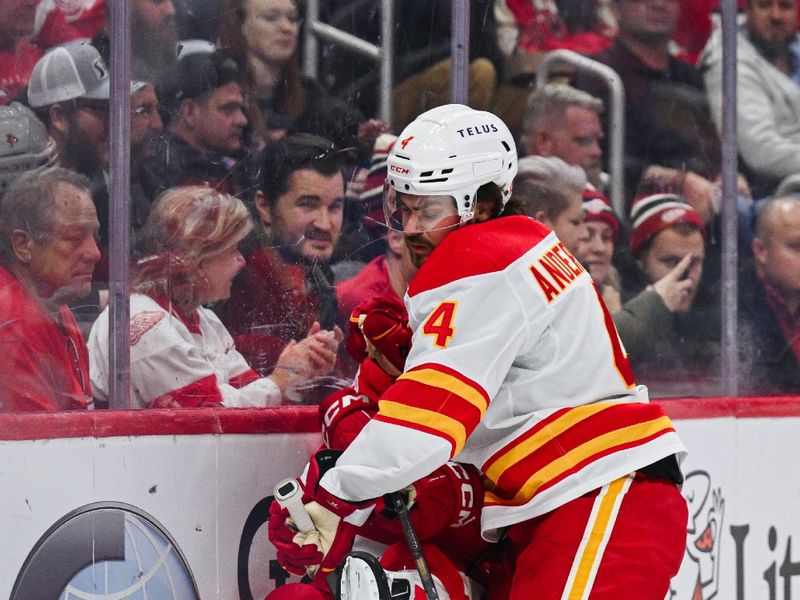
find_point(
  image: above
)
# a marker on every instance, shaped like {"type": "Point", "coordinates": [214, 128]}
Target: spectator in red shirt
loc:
{"type": "Point", "coordinates": [29, 27]}
{"type": "Point", "coordinates": [286, 288]}
{"type": "Point", "coordinates": [48, 226]}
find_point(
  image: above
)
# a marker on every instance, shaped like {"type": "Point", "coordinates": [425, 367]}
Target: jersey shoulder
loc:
{"type": "Point", "coordinates": [478, 249]}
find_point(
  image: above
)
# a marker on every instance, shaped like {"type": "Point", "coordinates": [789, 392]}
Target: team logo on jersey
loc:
{"type": "Point", "coordinates": [698, 578]}
{"type": "Point", "coordinates": [142, 323]}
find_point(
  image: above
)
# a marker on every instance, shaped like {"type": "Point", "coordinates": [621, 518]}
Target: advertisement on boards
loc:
{"type": "Point", "coordinates": [183, 515]}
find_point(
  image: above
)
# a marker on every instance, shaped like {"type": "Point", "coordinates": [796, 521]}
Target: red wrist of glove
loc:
{"type": "Point", "coordinates": [321, 461]}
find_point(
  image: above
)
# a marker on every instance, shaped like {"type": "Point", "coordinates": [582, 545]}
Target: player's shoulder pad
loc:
{"type": "Point", "coordinates": [478, 249]}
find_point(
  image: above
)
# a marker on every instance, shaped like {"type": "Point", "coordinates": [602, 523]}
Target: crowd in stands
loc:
{"type": "Point", "coordinates": [256, 192]}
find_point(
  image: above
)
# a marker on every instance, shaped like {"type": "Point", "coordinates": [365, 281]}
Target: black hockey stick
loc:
{"type": "Point", "coordinates": [413, 544]}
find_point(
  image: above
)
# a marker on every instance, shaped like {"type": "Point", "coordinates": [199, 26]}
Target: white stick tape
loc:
{"type": "Point", "coordinates": [290, 496]}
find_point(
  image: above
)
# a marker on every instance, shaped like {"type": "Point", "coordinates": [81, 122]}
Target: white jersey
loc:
{"type": "Point", "coordinates": [177, 362]}
{"type": "Point", "coordinates": [516, 368]}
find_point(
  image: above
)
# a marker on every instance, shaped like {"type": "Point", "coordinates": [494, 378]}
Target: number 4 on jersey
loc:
{"type": "Point", "coordinates": [440, 324]}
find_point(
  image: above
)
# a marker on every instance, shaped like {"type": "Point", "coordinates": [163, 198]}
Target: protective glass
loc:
{"type": "Point", "coordinates": [417, 214]}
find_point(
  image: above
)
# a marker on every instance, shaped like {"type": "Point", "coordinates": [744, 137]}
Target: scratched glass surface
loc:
{"type": "Point", "coordinates": [245, 79]}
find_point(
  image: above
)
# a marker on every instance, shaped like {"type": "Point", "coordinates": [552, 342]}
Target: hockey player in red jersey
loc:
{"type": "Point", "coordinates": [515, 368]}
{"type": "Point", "coordinates": [444, 506]}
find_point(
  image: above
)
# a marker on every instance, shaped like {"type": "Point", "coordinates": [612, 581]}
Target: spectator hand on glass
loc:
{"type": "Point", "coordinates": [313, 356]}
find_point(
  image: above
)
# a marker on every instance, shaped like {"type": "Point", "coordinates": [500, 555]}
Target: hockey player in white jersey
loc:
{"type": "Point", "coordinates": [515, 368]}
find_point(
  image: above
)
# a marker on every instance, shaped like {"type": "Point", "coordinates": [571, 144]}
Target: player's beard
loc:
{"type": "Point", "coordinates": [423, 248]}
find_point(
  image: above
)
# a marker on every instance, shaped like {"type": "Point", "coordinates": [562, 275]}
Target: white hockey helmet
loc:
{"type": "Point", "coordinates": [453, 150]}
{"type": "Point", "coordinates": [24, 143]}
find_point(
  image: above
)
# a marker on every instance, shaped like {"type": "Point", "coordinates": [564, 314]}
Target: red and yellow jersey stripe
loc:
{"type": "Point", "coordinates": [565, 442]}
{"type": "Point", "coordinates": [436, 400]}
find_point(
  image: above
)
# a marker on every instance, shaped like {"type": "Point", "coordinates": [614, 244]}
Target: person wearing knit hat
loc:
{"type": "Point", "coordinates": [669, 337]}
{"type": "Point", "coordinates": [597, 209]}
{"type": "Point", "coordinates": [668, 243]}
{"type": "Point", "coordinates": [650, 215]}
{"type": "Point", "coordinates": [597, 249]}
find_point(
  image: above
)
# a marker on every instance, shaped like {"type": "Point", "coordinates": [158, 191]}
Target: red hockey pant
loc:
{"type": "Point", "coordinates": [623, 541]}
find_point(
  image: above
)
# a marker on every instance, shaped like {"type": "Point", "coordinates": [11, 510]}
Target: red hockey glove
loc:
{"type": "Point", "coordinates": [292, 556]}
{"type": "Point", "coordinates": [383, 322]}
{"type": "Point", "coordinates": [328, 513]}
{"type": "Point", "coordinates": [451, 496]}
{"type": "Point", "coordinates": [342, 415]}
{"type": "Point", "coordinates": [314, 553]}
{"type": "Point", "coordinates": [320, 551]}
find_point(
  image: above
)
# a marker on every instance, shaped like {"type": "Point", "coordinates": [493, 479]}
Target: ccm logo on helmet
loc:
{"type": "Point", "coordinates": [401, 170]}
{"type": "Point", "coordinates": [479, 130]}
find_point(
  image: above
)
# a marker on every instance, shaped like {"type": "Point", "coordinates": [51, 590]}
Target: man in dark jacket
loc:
{"type": "Point", "coordinates": [203, 109]}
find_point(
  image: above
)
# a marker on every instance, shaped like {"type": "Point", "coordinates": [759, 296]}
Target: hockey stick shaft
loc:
{"type": "Point", "coordinates": [414, 546]}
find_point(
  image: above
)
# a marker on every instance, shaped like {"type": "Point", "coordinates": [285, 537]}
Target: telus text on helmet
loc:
{"type": "Point", "coordinates": [478, 130]}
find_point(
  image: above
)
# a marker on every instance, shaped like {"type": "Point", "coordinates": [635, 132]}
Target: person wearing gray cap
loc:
{"type": "Point", "coordinates": [69, 90]}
